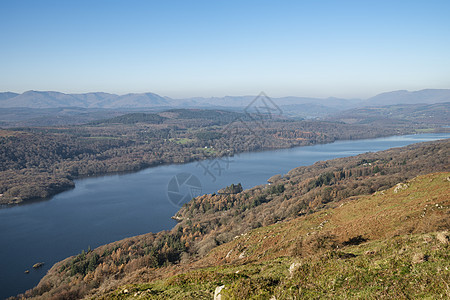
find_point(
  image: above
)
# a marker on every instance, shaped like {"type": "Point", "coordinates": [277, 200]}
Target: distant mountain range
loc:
{"type": "Point", "coordinates": [428, 96]}
{"type": "Point", "coordinates": [38, 99]}
{"type": "Point", "coordinates": [50, 99]}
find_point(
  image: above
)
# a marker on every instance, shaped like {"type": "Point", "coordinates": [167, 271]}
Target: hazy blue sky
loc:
{"type": "Point", "coordinates": [216, 48]}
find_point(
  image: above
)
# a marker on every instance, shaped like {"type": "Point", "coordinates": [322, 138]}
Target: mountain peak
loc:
{"type": "Point", "coordinates": [53, 99]}
{"type": "Point", "coordinates": [426, 96]}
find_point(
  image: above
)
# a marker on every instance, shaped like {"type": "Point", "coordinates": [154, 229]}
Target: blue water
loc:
{"type": "Point", "coordinates": [105, 209]}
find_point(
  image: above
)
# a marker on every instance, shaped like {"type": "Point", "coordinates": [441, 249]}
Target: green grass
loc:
{"type": "Point", "coordinates": [104, 137]}
{"type": "Point", "coordinates": [381, 269]}
{"type": "Point", "coordinates": [181, 141]}
{"type": "Point", "coordinates": [387, 263]}
{"type": "Point", "coordinates": [209, 150]}
{"type": "Point", "coordinates": [425, 130]}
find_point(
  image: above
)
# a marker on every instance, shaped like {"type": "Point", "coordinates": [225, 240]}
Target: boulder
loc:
{"type": "Point", "coordinates": [217, 295]}
{"type": "Point", "coordinates": [443, 237]}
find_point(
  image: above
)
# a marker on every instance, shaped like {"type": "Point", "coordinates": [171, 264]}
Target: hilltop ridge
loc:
{"type": "Point", "coordinates": [53, 99]}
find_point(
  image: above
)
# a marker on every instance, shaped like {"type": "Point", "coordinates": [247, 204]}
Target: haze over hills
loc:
{"type": "Point", "coordinates": [7, 95]}
{"type": "Point", "coordinates": [51, 99]}
{"type": "Point", "coordinates": [427, 96]}
{"type": "Point", "coordinates": [435, 114]}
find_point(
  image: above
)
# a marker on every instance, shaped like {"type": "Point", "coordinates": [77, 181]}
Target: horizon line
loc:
{"type": "Point", "coordinates": [205, 97]}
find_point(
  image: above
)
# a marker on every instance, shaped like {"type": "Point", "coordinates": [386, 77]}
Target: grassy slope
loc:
{"type": "Point", "coordinates": [402, 258]}
{"type": "Point", "coordinates": [145, 258]}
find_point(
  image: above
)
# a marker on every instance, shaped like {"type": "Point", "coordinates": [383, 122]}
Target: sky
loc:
{"type": "Point", "coordinates": [351, 49]}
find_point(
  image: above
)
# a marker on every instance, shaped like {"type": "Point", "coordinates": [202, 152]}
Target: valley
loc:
{"type": "Point", "coordinates": [304, 196]}
{"type": "Point", "coordinates": [225, 150]}
{"type": "Point", "coordinates": [38, 162]}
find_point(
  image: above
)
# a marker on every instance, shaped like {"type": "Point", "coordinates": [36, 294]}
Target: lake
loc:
{"type": "Point", "coordinates": [104, 209]}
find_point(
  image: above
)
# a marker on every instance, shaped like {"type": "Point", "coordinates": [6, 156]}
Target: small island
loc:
{"type": "Point", "coordinates": [38, 265]}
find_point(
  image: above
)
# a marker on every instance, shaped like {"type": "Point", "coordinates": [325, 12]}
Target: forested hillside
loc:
{"type": "Point", "coordinates": [390, 245]}
{"type": "Point", "coordinates": [301, 217]}
{"type": "Point", "coordinates": [37, 162]}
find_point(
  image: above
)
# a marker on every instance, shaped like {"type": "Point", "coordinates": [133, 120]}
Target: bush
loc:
{"type": "Point", "coordinates": [314, 243]}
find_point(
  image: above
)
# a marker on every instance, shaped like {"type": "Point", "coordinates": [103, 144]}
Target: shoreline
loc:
{"type": "Point", "coordinates": [62, 190]}
{"type": "Point", "coordinates": [342, 141]}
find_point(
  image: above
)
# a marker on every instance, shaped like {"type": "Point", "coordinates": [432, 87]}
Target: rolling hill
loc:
{"type": "Point", "coordinates": [372, 225]}
{"type": "Point", "coordinates": [51, 99]}
{"type": "Point", "coordinates": [390, 245]}
{"type": "Point", "coordinates": [427, 96]}
{"type": "Point", "coordinates": [397, 115]}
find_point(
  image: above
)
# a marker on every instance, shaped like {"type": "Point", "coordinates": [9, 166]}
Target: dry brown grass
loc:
{"type": "Point", "coordinates": [423, 207]}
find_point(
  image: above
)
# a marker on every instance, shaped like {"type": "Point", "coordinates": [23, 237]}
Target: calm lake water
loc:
{"type": "Point", "coordinates": [104, 209]}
